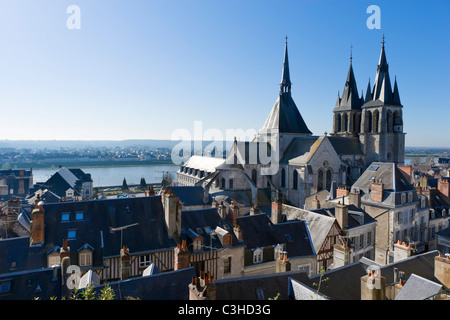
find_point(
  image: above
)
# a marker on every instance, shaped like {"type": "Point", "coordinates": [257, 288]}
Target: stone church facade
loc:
{"type": "Point", "coordinates": [365, 129]}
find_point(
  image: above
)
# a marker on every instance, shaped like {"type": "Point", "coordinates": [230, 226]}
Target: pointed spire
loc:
{"type": "Point", "coordinates": [285, 85]}
{"type": "Point", "coordinates": [338, 101]}
{"type": "Point", "coordinates": [382, 86]}
{"type": "Point", "coordinates": [350, 96]}
{"type": "Point", "coordinates": [368, 93]}
{"type": "Point", "coordinates": [396, 95]}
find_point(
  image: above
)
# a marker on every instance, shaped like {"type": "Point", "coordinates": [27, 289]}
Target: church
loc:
{"type": "Point", "coordinates": [286, 161]}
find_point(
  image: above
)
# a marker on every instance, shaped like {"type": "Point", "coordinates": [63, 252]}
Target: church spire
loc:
{"type": "Point", "coordinates": [350, 97]}
{"type": "Point", "coordinates": [285, 85]}
{"type": "Point", "coordinates": [382, 85]}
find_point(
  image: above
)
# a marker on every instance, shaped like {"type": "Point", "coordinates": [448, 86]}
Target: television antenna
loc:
{"type": "Point", "coordinates": [112, 230]}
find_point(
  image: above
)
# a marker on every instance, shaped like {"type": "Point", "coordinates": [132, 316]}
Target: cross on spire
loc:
{"type": "Point", "coordinates": [383, 42]}
{"type": "Point", "coordinates": [351, 53]}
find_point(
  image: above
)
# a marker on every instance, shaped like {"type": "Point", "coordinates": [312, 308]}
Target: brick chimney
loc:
{"type": "Point", "coordinates": [234, 213]}
{"type": "Point", "coordinates": [377, 191]}
{"type": "Point", "coordinates": [125, 263]}
{"type": "Point", "coordinates": [315, 203]}
{"type": "Point", "coordinates": [442, 269]}
{"type": "Point", "coordinates": [65, 250]}
{"type": "Point", "coordinates": [341, 215]}
{"type": "Point", "coordinates": [172, 213]}
{"type": "Point", "coordinates": [354, 198]}
{"type": "Point", "coordinates": [203, 287]}
{"type": "Point", "coordinates": [277, 211]}
{"type": "Point", "coordinates": [181, 256]}
{"type": "Point", "coordinates": [341, 192]}
{"type": "Point", "coordinates": [37, 225]}
{"type": "Point", "coordinates": [443, 186]}
{"type": "Point", "coordinates": [406, 170]}
{"type": "Point", "coordinates": [373, 286]}
{"type": "Point", "coordinates": [282, 264]}
{"type": "Point", "coordinates": [238, 232]}
{"type": "Point", "coordinates": [150, 191]}
{"type": "Point", "coordinates": [402, 251]}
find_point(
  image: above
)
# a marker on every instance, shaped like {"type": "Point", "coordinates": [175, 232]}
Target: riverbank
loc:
{"type": "Point", "coordinates": [87, 164]}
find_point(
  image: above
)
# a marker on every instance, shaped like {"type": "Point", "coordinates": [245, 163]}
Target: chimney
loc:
{"type": "Point", "coordinates": [37, 226]}
{"type": "Point", "coordinates": [442, 269]}
{"type": "Point", "coordinates": [315, 203]}
{"type": "Point", "coordinates": [254, 210]}
{"type": "Point", "coordinates": [377, 190]}
{"type": "Point", "coordinates": [64, 254]}
{"type": "Point", "coordinates": [125, 263]}
{"type": "Point", "coordinates": [341, 255]}
{"type": "Point", "coordinates": [444, 187]}
{"type": "Point", "coordinates": [406, 170]}
{"type": "Point", "coordinates": [214, 204]}
{"type": "Point", "coordinates": [282, 264]}
{"type": "Point", "coordinates": [373, 286]}
{"type": "Point", "coordinates": [234, 213]}
{"type": "Point", "coordinates": [181, 256]}
{"type": "Point", "coordinates": [354, 198]}
{"type": "Point", "coordinates": [418, 187]}
{"type": "Point", "coordinates": [150, 191]}
{"type": "Point", "coordinates": [277, 211]}
{"type": "Point", "coordinates": [341, 192]}
{"type": "Point", "coordinates": [402, 251]}
{"type": "Point", "coordinates": [238, 232]}
{"type": "Point", "coordinates": [203, 287]}
{"type": "Point", "coordinates": [341, 214]}
{"type": "Point", "coordinates": [172, 213]}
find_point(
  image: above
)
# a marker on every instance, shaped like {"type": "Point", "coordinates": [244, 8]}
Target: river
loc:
{"type": "Point", "coordinates": [113, 176]}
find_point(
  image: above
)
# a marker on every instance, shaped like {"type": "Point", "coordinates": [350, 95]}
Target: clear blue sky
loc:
{"type": "Point", "coordinates": [139, 69]}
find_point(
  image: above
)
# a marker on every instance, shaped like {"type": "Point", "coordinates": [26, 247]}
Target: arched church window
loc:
{"type": "Point", "coordinates": [328, 185]}
{"type": "Point", "coordinates": [344, 122]}
{"type": "Point", "coordinates": [376, 118]}
{"type": "Point", "coordinates": [339, 124]}
{"type": "Point", "coordinates": [295, 180]}
{"type": "Point", "coordinates": [320, 180]}
{"type": "Point", "coordinates": [389, 122]}
{"type": "Point", "coordinates": [369, 121]}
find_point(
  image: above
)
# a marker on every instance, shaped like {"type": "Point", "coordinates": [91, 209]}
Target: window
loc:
{"type": "Point", "coordinates": [283, 178]}
{"type": "Point", "coordinates": [433, 233]}
{"type": "Point", "coordinates": [410, 197]}
{"type": "Point", "coordinates": [411, 215]}
{"type": "Point", "coordinates": [79, 215]}
{"type": "Point", "coordinates": [53, 260]}
{"type": "Point", "coordinates": [305, 268]}
{"type": "Point", "coordinates": [65, 216]}
{"type": "Point", "coordinates": [5, 287]}
{"type": "Point", "coordinates": [369, 238]}
{"type": "Point", "coordinates": [198, 245]}
{"type": "Point", "coordinates": [278, 249]}
{"type": "Point", "coordinates": [257, 255]}
{"type": "Point", "coordinates": [227, 265]}
{"type": "Point", "coordinates": [144, 261]}
{"type": "Point", "coordinates": [71, 234]}
{"type": "Point", "coordinates": [403, 198]}
{"type": "Point", "coordinates": [230, 184]}
{"type": "Point", "coordinates": [295, 180]}
{"type": "Point", "coordinates": [85, 259]}
{"type": "Point", "coordinates": [361, 241]}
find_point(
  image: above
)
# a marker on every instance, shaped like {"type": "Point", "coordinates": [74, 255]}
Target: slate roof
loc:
{"type": "Point", "coordinates": [418, 288]}
{"type": "Point", "coordinates": [200, 223]}
{"type": "Point", "coordinates": [171, 285]}
{"type": "Point", "coordinates": [346, 145]}
{"type": "Point", "coordinates": [259, 231]}
{"type": "Point", "coordinates": [260, 287]}
{"type": "Point", "coordinates": [297, 148]}
{"type": "Point", "coordinates": [19, 252]}
{"type": "Point", "coordinates": [350, 97]}
{"type": "Point", "coordinates": [101, 215]}
{"type": "Point", "coordinates": [356, 216]}
{"type": "Point", "coordinates": [285, 116]}
{"type": "Point", "coordinates": [318, 224]}
{"type": "Point", "coordinates": [394, 181]}
{"type": "Point", "coordinates": [39, 283]}
{"type": "Point", "coordinates": [344, 283]}
{"type": "Point", "coordinates": [382, 93]}
{"type": "Point", "coordinates": [190, 195]}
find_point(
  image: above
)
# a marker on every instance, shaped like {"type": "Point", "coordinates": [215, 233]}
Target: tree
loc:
{"type": "Point", "coordinates": [143, 184]}
{"type": "Point", "coordinates": [124, 184]}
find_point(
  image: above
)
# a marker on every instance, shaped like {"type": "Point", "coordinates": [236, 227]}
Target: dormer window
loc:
{"type": "Point", "coordinates": [257, 255]}
{"type": "Point", "coordinates": [277, 250]}
{"type": "Point", "coordinates": [403, 198]}
{"type": "Point", "coordinates": [198, 244]}
{"type": "Point", "coordinates": [85, 256]}
{"type": "Point", "coordinates": [65, 217]}
{"type": "Point", "coordinates": [410, 197]}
